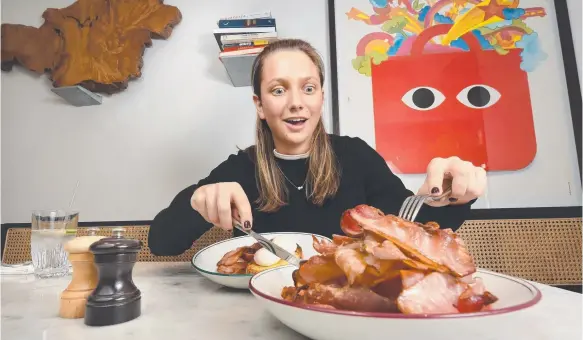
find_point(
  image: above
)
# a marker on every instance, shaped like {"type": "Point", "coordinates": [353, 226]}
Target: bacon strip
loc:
{"type": "Point", "coordinates": [442, 293]}
{"type": "Point", "coordinates": [342, 240]}
{"type": "Point", "coordinates": [235, 268]}
{"type": "Point", "coordinates": [348, 298]}
{"type": "Point", "coordinates": [439, 249]}
{"type": "Point", "coordinates": [320, 269]}
{"type": "Point", "coordinates": [324, 247]}
{"type": "Point", "coordinates": [236, 260]}
{"type": "Point", "coordinates": [383, 249]}
{"type": "Point", "coordinates": [231, 257]}
{"type": "Point", "coordinates": [351, 261]}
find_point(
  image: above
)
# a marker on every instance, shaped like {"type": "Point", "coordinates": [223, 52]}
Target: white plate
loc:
{"type": "Point", "coordinates": [205, 260]}
{"type": "Point", "coordinates": [515, 296]}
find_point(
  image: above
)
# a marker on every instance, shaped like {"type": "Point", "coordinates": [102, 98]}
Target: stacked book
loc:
{"type": "Point", "coordinates": [240, 39]}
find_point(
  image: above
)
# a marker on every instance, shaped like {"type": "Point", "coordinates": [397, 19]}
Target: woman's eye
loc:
{"type": "Point", "coordinates": [278, 91]}
{"type": "Point", "coordinates": [310, 88]}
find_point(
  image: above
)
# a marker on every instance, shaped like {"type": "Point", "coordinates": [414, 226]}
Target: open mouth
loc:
{"type": "Point", "coordinates": [295, 121]}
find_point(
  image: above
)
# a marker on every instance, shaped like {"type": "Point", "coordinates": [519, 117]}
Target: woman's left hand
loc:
{"type": "Point", "coordinates": [466, 180]}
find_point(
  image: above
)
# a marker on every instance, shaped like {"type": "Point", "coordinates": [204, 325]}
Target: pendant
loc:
{"type": "Point", "coordinates": [300, 188]}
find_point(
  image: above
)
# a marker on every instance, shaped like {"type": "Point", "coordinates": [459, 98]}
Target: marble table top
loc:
{"type": "Point", "coordinates": [178, 303]}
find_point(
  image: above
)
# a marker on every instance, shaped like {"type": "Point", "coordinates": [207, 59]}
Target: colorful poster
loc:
{"type": "Point", "coordinates": [462, 89]}
{"type": "Point", "coordinates": [454, 78]}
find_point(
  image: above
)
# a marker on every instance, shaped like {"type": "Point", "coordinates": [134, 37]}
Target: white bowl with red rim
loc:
{"type": "Point", "coordinates": [205, 260]}
{"type": "Point", "coordinates": [515, 296]}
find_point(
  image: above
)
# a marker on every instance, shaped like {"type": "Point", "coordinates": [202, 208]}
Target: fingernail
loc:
{"type": "Point", "coordinates": [453, 199]}
{"type": "Point", "coordinates": [435, 190]}
{"type": "Point", "coordinates": [247, 225]}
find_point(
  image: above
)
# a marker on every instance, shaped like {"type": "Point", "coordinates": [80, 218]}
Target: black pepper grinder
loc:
{"type": "Point", "coordinates": [115, 299]}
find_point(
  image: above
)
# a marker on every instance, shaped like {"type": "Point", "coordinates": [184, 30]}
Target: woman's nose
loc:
{"type": "Point", "coordinates": [295, 101]}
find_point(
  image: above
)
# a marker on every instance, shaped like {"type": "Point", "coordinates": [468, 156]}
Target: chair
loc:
{"type": "Point", "coordinates": [17, 244]}
{"type": "Point", "coordinates": [542, 250]}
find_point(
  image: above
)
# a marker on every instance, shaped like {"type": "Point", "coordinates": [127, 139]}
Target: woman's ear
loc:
{"type": "Point", "coordinates": [258, 106]}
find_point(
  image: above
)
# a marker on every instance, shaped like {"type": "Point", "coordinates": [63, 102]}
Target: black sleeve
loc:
{"type": "Point", "coordinates": [385, 191]}
{"type": "Point", "coordinates": [175, 228]}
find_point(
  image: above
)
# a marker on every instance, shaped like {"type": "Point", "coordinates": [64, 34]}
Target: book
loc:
{"type": "Point", "coordinates": [256, 15]}
{"type": "Point", "coordinates": [219, 32]}
{"type": "Point", "coordinates": [240, 23]}
{"type": "Point", "coordinates": [254, 50]}
{"type": "Point", "coordinates": [240, 39]}
{"type": "Point", "coordinates": [244, 45]}
{"type": "Point", "coordinates": [244, 37]}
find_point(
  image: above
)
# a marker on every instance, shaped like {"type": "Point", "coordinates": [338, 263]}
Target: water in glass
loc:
{"type": "Point", "coordinates": [49, 233]}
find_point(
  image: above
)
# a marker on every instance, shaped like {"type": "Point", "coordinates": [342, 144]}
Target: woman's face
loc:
{"type": "Point", "coordinates": [291, 99]}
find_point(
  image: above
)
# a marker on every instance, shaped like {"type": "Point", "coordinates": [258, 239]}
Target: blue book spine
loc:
{"type": "Point", "coordinates": [242, 23]}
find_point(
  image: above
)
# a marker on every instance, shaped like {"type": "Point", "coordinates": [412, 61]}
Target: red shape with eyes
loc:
{"type": "Point", "coordinates": [474, 105]}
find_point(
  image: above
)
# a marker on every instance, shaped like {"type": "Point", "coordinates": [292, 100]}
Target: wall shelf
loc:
{"type": "Point", "coordinates": [78, 95]}
{"type": "Point", "coordinates": [238, 68]}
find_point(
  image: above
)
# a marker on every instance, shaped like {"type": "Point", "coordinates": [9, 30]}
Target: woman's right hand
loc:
{"type": "Point", "coordinates": [218, 203]}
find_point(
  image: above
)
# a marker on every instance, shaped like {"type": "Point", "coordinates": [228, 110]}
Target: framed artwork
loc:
{"type": "Point", "coordinates": [493, 82]}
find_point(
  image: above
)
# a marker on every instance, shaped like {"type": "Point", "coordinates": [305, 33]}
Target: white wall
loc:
{"type": "Point", "coordinates": [138, 149]}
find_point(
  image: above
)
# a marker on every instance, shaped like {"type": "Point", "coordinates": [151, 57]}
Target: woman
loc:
{"type": "Point", "coordinates": [297, 177]}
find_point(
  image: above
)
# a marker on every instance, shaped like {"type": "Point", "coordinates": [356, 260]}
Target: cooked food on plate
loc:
{"type": "Point", "coordinates": [254, 258]}
{"type": "Point", "coordinates": [387, 264]}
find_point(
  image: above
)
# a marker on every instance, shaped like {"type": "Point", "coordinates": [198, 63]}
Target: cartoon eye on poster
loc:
{"type": "Point", "coordinates": [449, 78]}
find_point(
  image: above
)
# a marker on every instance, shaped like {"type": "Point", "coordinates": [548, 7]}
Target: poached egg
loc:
{"type": "Point", "coordinates": [265, 258]}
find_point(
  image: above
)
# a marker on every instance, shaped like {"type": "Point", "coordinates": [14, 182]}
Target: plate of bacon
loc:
{"type": "Point", "coordinates": [388, 277]}
{"type": "Point", "coordinates": [234, 261]}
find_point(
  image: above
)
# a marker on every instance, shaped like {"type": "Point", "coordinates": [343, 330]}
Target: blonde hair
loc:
{"type": "Point", "coordinates": [323, 178]}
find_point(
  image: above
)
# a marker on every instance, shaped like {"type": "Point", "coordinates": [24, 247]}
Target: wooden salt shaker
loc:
{"type": "Point", "coordinates": [84, 278]}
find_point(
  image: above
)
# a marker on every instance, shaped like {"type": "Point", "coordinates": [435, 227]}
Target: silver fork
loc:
{"type": "Point", "coordinates": [413, 204]}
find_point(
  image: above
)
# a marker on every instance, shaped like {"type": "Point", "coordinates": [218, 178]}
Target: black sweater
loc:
{"type": "Point", "coordinates": [365, 179]}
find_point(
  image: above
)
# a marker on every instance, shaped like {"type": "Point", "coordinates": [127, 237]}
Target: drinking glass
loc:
{"type": "Point", "coordinates": [50, 230]}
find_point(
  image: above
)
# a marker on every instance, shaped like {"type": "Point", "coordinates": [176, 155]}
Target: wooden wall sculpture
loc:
{"type": "Point", "coordinates": [97, 44]}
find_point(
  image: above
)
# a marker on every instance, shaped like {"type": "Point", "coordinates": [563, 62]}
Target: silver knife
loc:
{"type": "Point", "coordinates": [272, 247]}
